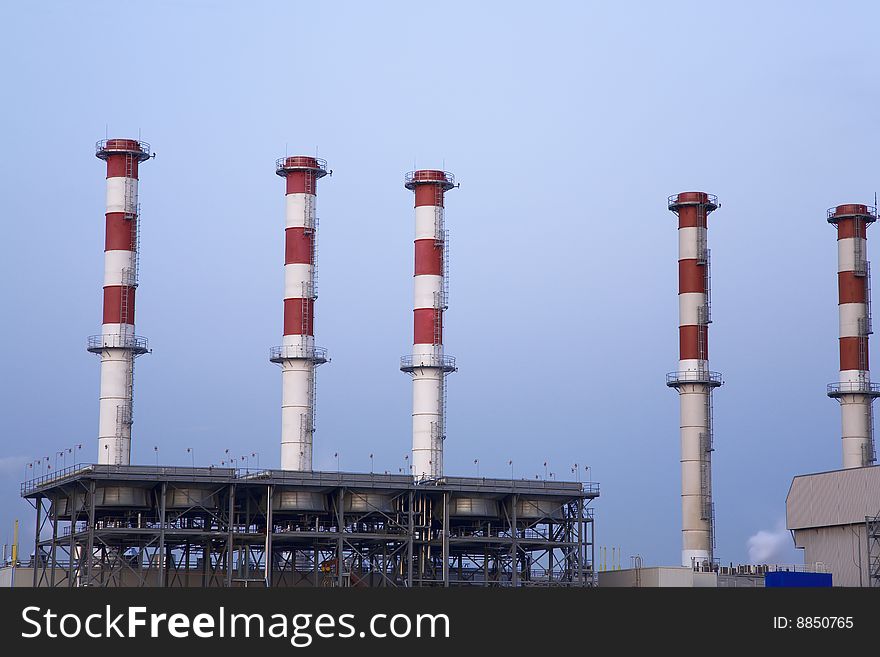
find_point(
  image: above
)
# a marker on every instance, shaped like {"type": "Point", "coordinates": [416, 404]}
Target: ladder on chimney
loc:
{"type": "Point", "coordinates": [128, 282]}
{"type": "Point", "coordinates": [130, 210]}
{"type": "Point", "coordinates": [859, 256]}
{"type": "Point", "coordinates": [125, 410]}
{"type": "Point", "coordinates": [444, 268]}
{"type": "Point", "coordinates": [313, 231]}
{"type": "Point", "coordinates": [440, 302]}
{"type": "Point", "coordinates": [441, 297]}
{"type": "Point", "coordinates": [306, 308]}
{"type": "Point", "coordinates": [307, 419]}
{"type": "Point", "coordinates": [707, 264]}
{"type": "Point", "coordinates": [438, 196]}
{"type": "Point", "coordinates": [704, 314]}
{"type": "Point", "coordinates": [309, 294]}
{"type": "Point", "coordinates": [865, 328]}
{"type": "Point", "coordinates": [869, 455]}
{"type": "Point", "coordinates": [124, 417]}
{"type": "Point", "coordinates": [309, 213]}
{"type": "Point", "coordinates": [125, 317]}
{"type": "Point", "coordinates": [441, 242]}
{"type": "Point", "coordinates": [438, 428]}
{"type": "Point", "coordinates": [310, 287]}
{"type": "Point", "coordinates": [129, 273]}
{"type": "Point", "coordinates": [707, 506]}
{"type": "Point", "coordinates": [702, 237]}
{"type": "Point", "coordinates": [869, 329]}
{"type": "Point", "coordinates": [864, 323]}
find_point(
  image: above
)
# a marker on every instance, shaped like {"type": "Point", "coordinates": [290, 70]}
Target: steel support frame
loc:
{"type": "Point", "coordinates": [872, 536]}
{"type": "Point", "coordinates": [240, 541]}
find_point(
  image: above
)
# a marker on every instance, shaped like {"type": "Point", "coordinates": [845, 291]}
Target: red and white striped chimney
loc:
{"type": "Point", "coordinates": [427, 364]}
{"type": "Point", "coordinates": [854, 390]}
{"type": "Point", "coordinates": [298, 355]}
{"type": "Point", "coordinates": [118, 345]}
{"type": "Point", "coordinates": [693, 380]}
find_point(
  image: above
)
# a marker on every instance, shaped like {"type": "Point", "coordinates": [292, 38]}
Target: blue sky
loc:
{"type": "Point", "coordinates": [568, 125]}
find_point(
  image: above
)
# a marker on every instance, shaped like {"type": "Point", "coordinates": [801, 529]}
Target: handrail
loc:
{"type": "Point", "coordinates": [211, 473]}
{"type": "Point", "coordinates": [281, 164]}
{"type": "Point", "coordinates": [694, 376]}
{"type": "Point", "coordinates": [105, 145]}
{"type": "Point", "coordinates": [411, 179]}
{"type": "Point", "coordinates": [711, 199]}
{"type": "Point", "coordinates": [118, 341]}
{"type": "Point", "coordinates": [427, 360]}
{"type": "Point", "coordinates": [870, 211]}
{"type": "Point", "coordinates": [757, 568]}
{"type": "Point", "coordinates": [37, 482]}
{"type": "Point", "coordinates": [320, 478]}
{"type": "Point", "coordinates": [317, 354]}
{"type": "Point", "coordinates": [854, 387]}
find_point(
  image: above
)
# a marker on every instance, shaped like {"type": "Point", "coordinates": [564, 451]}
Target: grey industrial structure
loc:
{"type": "Point", "coordinates": [112, 526]}
{"type": "Point", "coordinates": [699, 576]}
{"type": "Point", "coordinates": [833, 517]}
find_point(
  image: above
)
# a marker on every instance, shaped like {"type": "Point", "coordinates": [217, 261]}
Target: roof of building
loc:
{"type": "Point", "coordinates": [838, 497]}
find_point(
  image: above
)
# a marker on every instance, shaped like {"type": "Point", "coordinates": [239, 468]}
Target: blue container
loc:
{"type": "Point", "coordinates": [791, 578]}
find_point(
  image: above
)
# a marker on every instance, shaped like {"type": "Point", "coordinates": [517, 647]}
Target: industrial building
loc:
{"type": "Point", "coordinates": [715, 576]}
{"type": "Point", "coordinates": [104, 525]}
{"type": "Point", "coordinates": [114, 524]}
{"type": "Point", "coordinates": [697, 577]}
{"type": "Point", "coordinates": [835, 516]}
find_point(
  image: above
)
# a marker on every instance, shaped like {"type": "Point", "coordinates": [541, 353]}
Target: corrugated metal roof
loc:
{"type": "Point", "coordinates": [840, 497]}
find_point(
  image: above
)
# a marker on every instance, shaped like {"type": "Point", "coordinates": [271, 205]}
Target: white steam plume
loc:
{"type": "Point", "coordinates": [770, 546]}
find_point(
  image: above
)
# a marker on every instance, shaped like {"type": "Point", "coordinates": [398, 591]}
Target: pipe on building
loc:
{"type": "Point", "coordinates": [693, 380]}
{"type": "Point", "coordinates": [854, 389]}
{"type": "Point", "coordinates": [298, 355]}
{"type": "Point", "coordinates": [428, 365]}
{"type": "Point", "coordinates": [118, 345]}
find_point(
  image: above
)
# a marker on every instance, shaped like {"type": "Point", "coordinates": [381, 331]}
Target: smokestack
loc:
{"type": "Point", "coordinates": [693, 380]}
{"type": "Point", "coordinates": [428, 365]}
{"type": "Point", "coordinates": [118, 345]}
{"type": "Point", "coordinates": [298, 355]}
{"type": "Point", "coordinates": [854, 391]}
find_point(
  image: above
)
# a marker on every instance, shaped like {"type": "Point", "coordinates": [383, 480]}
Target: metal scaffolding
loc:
{"type": "Point", "coordinates": [872, 532]}
{"type": "Point", "coordinates": [130, 526]}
